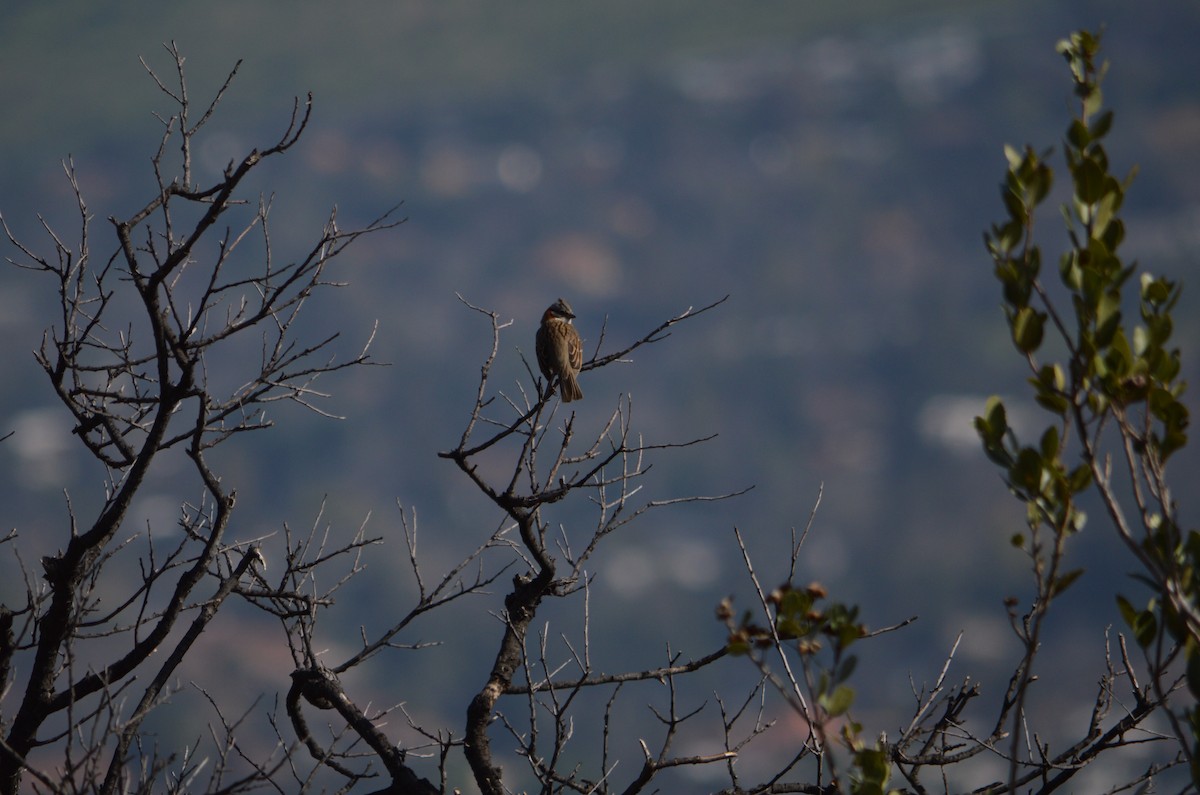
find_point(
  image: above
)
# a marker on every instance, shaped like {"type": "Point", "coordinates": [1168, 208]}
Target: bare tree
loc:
{"type": "Point", "coordinates": [140, 380]}
{"type": "Point", "coordinates": [545, 465]}
{"type": "Point", "coordinates": [142, 377]}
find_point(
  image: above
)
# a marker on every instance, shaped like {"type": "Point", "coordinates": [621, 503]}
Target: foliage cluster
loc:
{"type": "Point", "coordinates": [1113, 392]}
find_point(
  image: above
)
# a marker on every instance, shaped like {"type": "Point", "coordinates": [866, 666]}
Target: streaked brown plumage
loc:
{"type": "Point", "coordinates": [559, 350]}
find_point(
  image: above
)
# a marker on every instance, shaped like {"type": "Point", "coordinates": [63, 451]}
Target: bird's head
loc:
{"type": "Point", "coordinates": [560, 309]}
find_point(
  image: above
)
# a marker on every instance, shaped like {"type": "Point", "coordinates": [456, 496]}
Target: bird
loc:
{"type": "Point", "coordinates": [559, 350]}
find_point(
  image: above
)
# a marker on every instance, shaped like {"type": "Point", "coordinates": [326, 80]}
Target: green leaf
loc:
{"type": "Point", "coordinates": [1080, 478]}
{"type": "Point", "coordinates": [1078, 134]}
{"type": "Point", "coordinates": [1102, 124]}
{"type": "Point", "coordinates": [796, 603]}
{"type": "Point", "coordinates": [1155, 291]}
{"type": "Point", "coordinates": [1048, 389]}
{"type": "Point", "coordinates": [1090, 181]}
{"type": "Point", "coordinates": [1108, 313]}
{"type": "Point", "coordinates": [738, 648]}
{"type": "Point", "coordinates": [1105, 210]}
{"type": "Point", "coordinates": [1053, 402]}
{"type": "Point", "coordinates": [1050, 442]}
{"type": "Point", "coordinates": [873, 771]}
{"type": "Point", "coordinates": [1004, 238]}
{"type": "Point", "coordinates": [1145, 628]}
{"type": "Point", "coordinates": [1141, 340]}
{"type": "Point", "coordinates": [1027, 329]}
{"type": "Point", "coordinates": [1174, 417]}
{"type": "Point", "coordinates": [1127, 610]}
{"type": "Point", "coordinates": [838, 702]}
{"type": "Point", "coordinates": [995, 415]}
{"type": "Point", "coordinates": [847, 634]}
{"type": "Point", "coordinates": [1026, 473]}
{"type": "Point", "coordinates": [1175, 624]}
{"type": "Point", "coordinates": [846, 668]}
{"type": "Point", "coordinates": [1064, 582]}
{"type": "Point", "coordinates": [1014, 157]}
{"type": "Point", "coordinates": [789, 628]}
{"type": "Point", "coordinates": [1166, 367]}
{"type": "Point", "coordinates": [1119, 359]}
{"type": "Point", "coordinates": [1071, 272]}
{"type": "Point", "coordinates": [992, 427]}
{"type": "Point", "coordinates": [1040, 180]}
{"type": "Point", "coordinates": [1093, 100]}
{"type": "Point", "coordinates": [1014, 202]}
{"type": "Point", "coordinates": [1114, 232]}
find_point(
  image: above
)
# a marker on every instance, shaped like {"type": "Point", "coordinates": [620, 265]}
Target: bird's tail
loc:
{"type": "Point", "coordinates": [570, 388]}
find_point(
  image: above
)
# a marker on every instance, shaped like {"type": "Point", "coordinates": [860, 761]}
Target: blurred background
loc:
{"type": "Point", "coordinates": [829, 166]}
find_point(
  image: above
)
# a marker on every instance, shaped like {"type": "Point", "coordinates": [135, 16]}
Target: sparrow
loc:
{"type": "Point", "coordinates": [559, 350]}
